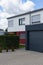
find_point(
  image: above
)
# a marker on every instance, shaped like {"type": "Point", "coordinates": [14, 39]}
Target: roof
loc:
{"type": "Point", "coordinates": [26, 13]}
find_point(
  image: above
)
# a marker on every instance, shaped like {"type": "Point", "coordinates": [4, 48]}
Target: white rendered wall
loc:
{"type": "Point", "coordinates": [17, 27]}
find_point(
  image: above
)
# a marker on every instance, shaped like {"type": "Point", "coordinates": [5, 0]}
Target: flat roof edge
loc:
{"type": "Point", "coordinates": [36, 27]}
{"type": "Point", "coordinates": [25, 13]}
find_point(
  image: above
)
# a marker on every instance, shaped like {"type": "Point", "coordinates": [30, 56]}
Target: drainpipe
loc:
{"type": "Point", "coordinates": [30, 19]}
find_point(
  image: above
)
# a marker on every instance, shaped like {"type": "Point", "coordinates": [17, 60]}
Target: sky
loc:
{"type": "Point", "coordinates": [10, 8]}
{"type": "Point", "coordinates": [38, 3]}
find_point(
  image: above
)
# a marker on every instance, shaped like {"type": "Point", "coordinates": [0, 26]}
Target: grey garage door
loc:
{"type": "Point", "coordinates": [36, 40]}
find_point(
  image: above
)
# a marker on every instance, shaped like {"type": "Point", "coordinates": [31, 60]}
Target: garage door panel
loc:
{"type": "Point", "coordinates": [36, 40]}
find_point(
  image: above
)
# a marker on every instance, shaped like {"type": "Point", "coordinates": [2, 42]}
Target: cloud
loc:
{"type": "Point", "coordinates": [14, 7]}
{"type": "Point", "coordinates": [27, 6]}
{"type": "Point", "coordinates": [3, 24]}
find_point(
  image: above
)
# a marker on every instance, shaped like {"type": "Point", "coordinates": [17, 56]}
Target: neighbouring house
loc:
{"type": "Point", "coordinates": [16, 24]}
{"type": "Point", "coordinates": [2, 32]}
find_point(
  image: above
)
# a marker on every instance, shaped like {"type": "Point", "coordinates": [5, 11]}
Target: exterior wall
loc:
{"type": "Point", "coordinates": [22, 38]}
{"type": "Point", "coordinates": [42, 17]}
{"type": "Point", "coordinates": [17, 27]}
{"type": "Point", "coordinates": [22, 41]}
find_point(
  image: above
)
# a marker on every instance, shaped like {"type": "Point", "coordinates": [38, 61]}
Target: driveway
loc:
{"type": "Point", "coordinates": [21, 57]}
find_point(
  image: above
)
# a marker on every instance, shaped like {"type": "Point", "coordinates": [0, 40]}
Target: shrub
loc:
{"type": "Point", "coordinates": [2, 42]}
{"type": "Point", "coordinates": [12, 41]}
{"type": "Point", "coordinates": [0, 49]}
{"type": "Point", "coordinates": [9, 41]}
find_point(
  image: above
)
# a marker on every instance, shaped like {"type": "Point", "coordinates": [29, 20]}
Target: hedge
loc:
{"type": "Point", "coordinates": [12, 41]}
{"type": "Point", "coordinates": [9, 41]}
{"type": "Point", "coordinates": [2, 42]}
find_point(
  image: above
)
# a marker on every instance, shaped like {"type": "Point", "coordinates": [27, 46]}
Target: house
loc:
{"type": "Point", "coordinates": [2, 32]}
{"type": "Point", "coordinates": [16, 24]}
{"type": "Point", "coordinates": [34, 37]}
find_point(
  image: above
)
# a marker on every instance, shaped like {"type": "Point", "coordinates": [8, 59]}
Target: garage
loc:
{"type": "Point", "coordinates": [34, 37]}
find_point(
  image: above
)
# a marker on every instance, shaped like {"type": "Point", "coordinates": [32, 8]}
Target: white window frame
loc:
{"type": "Point", "coordinates": [35, 19]}
{"type": "Point", "coordinates": [10, 23]}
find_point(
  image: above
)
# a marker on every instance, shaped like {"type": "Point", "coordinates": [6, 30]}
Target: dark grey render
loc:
{"type": "Point", "coordinates": [34, 37]}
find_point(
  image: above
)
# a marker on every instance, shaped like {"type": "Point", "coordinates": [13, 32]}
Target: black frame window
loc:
{"type": "Point", "coordinates": [22, 21]}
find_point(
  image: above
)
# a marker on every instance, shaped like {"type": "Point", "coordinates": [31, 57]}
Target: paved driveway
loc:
{"type": "Point", "coordinates": [21, 57]}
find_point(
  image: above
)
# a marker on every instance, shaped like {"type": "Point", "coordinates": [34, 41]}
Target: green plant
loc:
{"type": "Point", "coordinates": [12, 41]}
{"type": "Point", "coordinates": [0, 49]}
{"type": "Point", "coordinates": [12, 48]}
{"type": "Point", "coordinates": [2, 42]}
{"type": "Point", "coordinates": [9, 41]}
{"type": "Point", "coordinates": [21, 46]}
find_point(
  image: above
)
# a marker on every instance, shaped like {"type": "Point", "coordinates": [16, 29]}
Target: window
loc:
{"type": "Point", "coordinates": [10, 23]}
{"type": "Point", "coordinates": [35, 19]}
{"type": "Point", "coordinates": [22, 36]}
{"type": "Point", "coordinates": [22, 21]}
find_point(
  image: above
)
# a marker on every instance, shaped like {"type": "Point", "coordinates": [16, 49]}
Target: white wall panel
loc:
{"type": "Point", "coordinates": [27, 17]}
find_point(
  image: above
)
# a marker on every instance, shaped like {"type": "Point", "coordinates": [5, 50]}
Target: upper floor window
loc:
{"type": "Point", "coordinates": [35, 19]}
{"type": "Point", "coordinates": [22, 21]}
{"type": "Point", "coordinates": [10, 23]}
